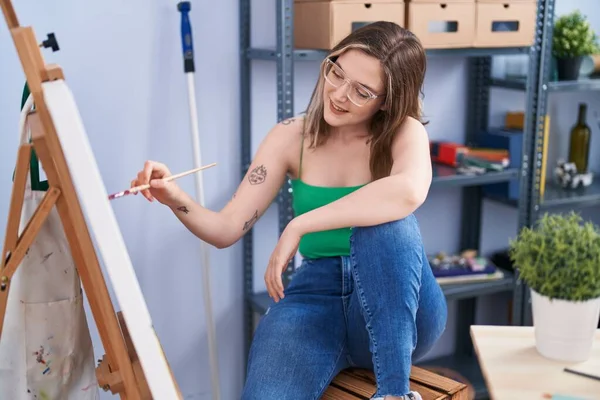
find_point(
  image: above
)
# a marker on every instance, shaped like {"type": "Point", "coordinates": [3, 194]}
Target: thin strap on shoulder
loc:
{"type": "Point", "coordinates": [301, 154]}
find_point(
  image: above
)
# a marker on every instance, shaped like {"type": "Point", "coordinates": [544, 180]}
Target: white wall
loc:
{"type": "Point", "coordinates": [123, 62]}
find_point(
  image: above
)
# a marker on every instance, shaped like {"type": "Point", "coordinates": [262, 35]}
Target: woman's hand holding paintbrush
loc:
{"type": "Point", "coordinates": [155, 182]}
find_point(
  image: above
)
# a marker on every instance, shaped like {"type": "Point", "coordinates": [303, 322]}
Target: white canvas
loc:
{"type": "Point", "coordinates": [105, 230]}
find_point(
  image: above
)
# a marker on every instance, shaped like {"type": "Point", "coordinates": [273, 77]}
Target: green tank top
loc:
{"type": "Point", "coordinates": [307, 197]}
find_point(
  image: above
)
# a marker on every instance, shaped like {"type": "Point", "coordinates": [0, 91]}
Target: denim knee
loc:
{"type": "Point", "coordinates": [398, 233]}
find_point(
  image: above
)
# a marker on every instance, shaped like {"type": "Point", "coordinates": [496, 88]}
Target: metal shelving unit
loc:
{"type": "Point", "coordinates": [553, 197]}
{"type": "Point", "coordinates": [552, 86]}
{"type": "Point", "coordinates": [284, 55]}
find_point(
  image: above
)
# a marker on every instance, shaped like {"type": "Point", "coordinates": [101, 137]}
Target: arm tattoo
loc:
{"type": "Point", "coordinates": [183, 209]}
{"type": "Point", "coordinates": [248, 224]}
{"type": "Point", "coordinates": [258, 175]}
{"type": "Point", "coordinates": [287, 121]}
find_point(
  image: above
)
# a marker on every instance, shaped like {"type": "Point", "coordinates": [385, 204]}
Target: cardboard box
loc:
{"type": "Point", "coordinates": [442, 24]}
{"type": "Point", "coordinates": [352, 1]}
{"type": "Point", "coordinates": [441, 1]}
{"type": "Point", "coordinates": [503, 24]}
{"type": "Point", "coordinates": [504, 1]}
{"type": "Point", "coordinates": [322, 24]}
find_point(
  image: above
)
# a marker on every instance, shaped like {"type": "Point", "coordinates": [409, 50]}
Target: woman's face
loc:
{"type": "Point", "coordinates": [351, 86]}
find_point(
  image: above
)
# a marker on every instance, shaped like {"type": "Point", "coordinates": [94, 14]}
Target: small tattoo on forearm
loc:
{"type": "Point", "coordinates": [258, 175]}
{"type": "Point", "coordinates": [287, 121]}
{"type": "Point", "coordinates": [248, 224]}
{"type": "Point", "coordinates": [183, 209]}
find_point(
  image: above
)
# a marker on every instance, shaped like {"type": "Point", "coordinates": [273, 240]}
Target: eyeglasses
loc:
{"type": "Point", "coordinates": [336, 77]}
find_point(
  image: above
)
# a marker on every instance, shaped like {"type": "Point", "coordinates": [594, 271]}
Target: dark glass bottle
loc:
{"type": "Point", "coordinates": [579, 146]}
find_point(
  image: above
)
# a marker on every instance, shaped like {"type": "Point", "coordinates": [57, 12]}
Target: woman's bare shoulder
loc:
{"type": "Point", "coordinates": [412, 126]}
{"type": "Point", "coordinates": [284, 139]}
{"type": "Point", "coordinates": [411, 138]}
{"type": "Point", "coordinates": [296, 121]}
{"type": "Point", "coordinates": [287, 131]}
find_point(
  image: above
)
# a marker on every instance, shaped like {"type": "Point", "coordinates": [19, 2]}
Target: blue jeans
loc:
{"type": "Point", "coordinates": [379, 308]}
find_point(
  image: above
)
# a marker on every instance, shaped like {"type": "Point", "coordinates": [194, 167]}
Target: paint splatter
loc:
{"type": "Point", "coordinates": [39, 355]}
{"type": "Point", "coordinates": [41, 358]}
{"type": "Point", "coordinates": [88, 387]}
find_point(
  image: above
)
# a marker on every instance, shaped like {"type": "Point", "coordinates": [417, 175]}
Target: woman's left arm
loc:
{"type": "Point", "coordinates": [386, 199]}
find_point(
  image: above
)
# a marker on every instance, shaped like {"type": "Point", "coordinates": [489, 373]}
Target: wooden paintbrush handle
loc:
{"type": "Point", "coordinates": [172, 177]}
{"type": "Point", "coordinates": [191, 171]}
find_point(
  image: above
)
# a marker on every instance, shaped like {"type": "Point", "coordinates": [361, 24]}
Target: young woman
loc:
{"type": "Point", "coordinates": [364, 295]}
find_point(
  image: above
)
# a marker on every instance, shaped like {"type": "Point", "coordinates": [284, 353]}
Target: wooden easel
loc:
{"type": "Point", "coordinates": [119, 371]}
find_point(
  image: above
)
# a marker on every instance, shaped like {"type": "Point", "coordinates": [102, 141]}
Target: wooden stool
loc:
{"type": "Point", "coordinates": [355, 384]}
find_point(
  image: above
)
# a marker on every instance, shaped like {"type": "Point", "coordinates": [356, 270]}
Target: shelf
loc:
{"type": "Point", "coordinates": [515, 84]}
{"type": "Point", "coordinates": [445, 176]}
{"type": "Point", "coordinates": [465, 365]}
{"type": "Point", "coordinates": [261, 301]}
{"type": "Point", "coordinates": [555, 86]}
{"type": "Point", "coordinates": [557, 197]}
{"type": "Point", "coordinates": [318, 55]}
{"type": "Point", "coordinates": [459, 291]}
{"type": "Point", "coordinates": [478, 51]}
{"type": "Point", "coordinates": [574, 86]}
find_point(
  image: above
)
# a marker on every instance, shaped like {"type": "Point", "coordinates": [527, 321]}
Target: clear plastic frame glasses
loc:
{"type": "Point", "coordinates": [358, 94]}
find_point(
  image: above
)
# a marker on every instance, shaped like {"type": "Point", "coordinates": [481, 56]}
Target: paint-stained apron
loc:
{"type": "Point", "coordinates": [46, 351]}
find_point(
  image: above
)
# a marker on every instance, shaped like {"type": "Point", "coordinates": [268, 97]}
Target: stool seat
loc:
{"type": "Point", "coordinates": [355, 384]}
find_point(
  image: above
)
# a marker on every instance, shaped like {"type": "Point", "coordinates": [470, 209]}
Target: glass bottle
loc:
{"type": "Point", "coordinates": [580, 141]}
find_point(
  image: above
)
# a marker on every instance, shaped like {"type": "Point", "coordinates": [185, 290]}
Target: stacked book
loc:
{"type": "Point", "coordinates": [469, 160]}
{"type": "Point", "coordinates": [465, 267]}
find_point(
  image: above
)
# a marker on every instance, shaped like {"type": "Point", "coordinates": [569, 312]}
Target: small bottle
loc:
{"type": "Point", "coordinates": [579, 146]}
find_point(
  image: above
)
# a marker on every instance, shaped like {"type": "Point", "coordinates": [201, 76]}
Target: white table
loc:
{"type": "Point", "coordinates": [514, 370]}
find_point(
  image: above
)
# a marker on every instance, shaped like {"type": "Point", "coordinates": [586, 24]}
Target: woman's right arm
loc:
{"type": "Point", "coordinates": [253, 196]}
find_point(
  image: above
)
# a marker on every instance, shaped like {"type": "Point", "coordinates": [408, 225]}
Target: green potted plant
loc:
{"type": "Point", "coordinates": [572, 40]}
{"type": "Point", "coordinates": [559, 260]}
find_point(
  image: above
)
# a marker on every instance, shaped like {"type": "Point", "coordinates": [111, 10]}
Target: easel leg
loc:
{"type": "Point", "coordinates": [16, 201]}
{"type": "Point", "coordinates": [15, 247]}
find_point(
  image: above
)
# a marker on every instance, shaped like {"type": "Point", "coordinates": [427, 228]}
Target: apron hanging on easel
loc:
{"type": "Point", "coordinates": [46, 351]}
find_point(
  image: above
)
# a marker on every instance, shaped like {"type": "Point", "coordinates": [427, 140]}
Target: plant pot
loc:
{"type": "Point", "coordinates": [567, 69]}
{"type": "Point", "coordinates": [564, 330]}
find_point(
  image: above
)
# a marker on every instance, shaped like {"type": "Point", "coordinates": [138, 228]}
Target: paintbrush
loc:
{"type": "Point", "coordinates": [139, 188]}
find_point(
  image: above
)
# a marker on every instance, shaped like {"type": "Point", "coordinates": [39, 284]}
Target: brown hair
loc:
{"type": "Point", "coordinates": [403, 61]}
